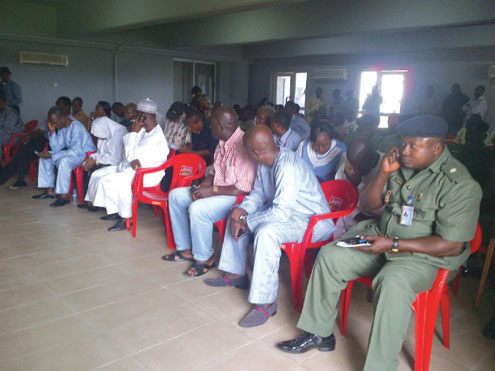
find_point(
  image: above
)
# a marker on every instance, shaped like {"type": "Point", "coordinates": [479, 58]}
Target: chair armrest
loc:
{"type": "Point", "coordinates": [315, 219]}
{"type": "Point", "coordinates": [137, 186]}
{"type": "Point", "coordinates": [16, 135]}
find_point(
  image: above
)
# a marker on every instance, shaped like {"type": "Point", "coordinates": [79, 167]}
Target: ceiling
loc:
{"type": "Point", "coordinates": [267, 29]}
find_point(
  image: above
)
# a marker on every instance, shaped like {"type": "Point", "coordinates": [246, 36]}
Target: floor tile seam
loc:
{"type": "Point", "coordinates": [13, 332]}
{"type": "Point", "coordinates": [39, 251]}
{"type": "Point", "coordinates": [29, 303]}
{"type": "Point", "coordinates": [88, 287]}
{"type": "Point", "coordinates": [116, 301]}
{"type": "Point", "coordinates": [224, 355]}
{"type": "Point", "coordinates": [482, 359]}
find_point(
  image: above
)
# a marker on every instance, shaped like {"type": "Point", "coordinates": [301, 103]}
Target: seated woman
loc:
{"type": "Point", "coordinates": [176, 131]}
{"type": "Point", "coordinates": [322, 152]}
{"type": "Point", "coordinates": [109, 150]}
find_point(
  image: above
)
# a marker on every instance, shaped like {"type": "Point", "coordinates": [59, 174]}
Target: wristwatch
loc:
{"type": "Point", "coordinates": [395, 245]}
{"type": "Point", "coordinates": [243, 219]}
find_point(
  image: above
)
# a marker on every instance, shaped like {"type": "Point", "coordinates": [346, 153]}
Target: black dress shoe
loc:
{"type": "Point", "coordinates": [43, 196]}
{"type": "Point", "coordinates": [307, 341]}
{"type": "Point", "coordinates": [110, 217]}
{"type": "Point", "coordinates": [59, 202]}
{"type": "Point", "coordinates": [83, 206]}
{"type": "Point", "coordinates": [93, 209]}
{"type": "Point", "coordinates": [119, 226]}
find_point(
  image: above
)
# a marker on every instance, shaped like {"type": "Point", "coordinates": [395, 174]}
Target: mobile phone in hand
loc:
{"type": "Point", "coordinates": [353, 242]}
{"type": "Point", "coordinates": [37, 153]}
{"type": "Point", "coordinates": [193, 188]}
{"type": "Point", "coordinates": [142, 118]}
{"type": "Point", "coordinates": [241, 233]}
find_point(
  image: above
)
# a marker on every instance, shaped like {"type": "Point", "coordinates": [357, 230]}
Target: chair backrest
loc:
{"type": "Point", "coordinates": [187, 167]}
{"type": "Point", "coordinates": [30, 126]}
{"type": "Point", "coordinates": [476, 241]}
{"type": "Point", "coordinates": [340, 194]}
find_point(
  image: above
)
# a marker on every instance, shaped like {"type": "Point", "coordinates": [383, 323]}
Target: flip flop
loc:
{"type": "Point", "coordinates": [181, 258]}
{"type": "Point", "coordinates": [200, 269]}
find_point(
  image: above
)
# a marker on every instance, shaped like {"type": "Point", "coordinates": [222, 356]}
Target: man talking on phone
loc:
{"type": "Point", "coordinates": [144, 146]}
{"type": "Point", "coordinates": [431, 209]}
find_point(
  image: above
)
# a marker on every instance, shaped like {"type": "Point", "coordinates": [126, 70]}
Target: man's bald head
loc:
{"type": "Point", "coordinates": [361, 155]}
{"type": "Point", "coordinates": [223, 122]}
{"type": "Point", "coordinates": [260, 145]}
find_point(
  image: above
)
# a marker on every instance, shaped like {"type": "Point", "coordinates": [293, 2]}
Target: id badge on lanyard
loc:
{"type": "Point", "coordinates": [406, 216]}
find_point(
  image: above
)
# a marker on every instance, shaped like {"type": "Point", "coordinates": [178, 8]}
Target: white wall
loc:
{"type": "Point", "coordinates": [90, 75]}
{"type": "Point", "coordinates": [440, 69]}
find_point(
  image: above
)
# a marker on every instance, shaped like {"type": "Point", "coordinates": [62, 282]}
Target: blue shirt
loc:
{"type": "Point", "coordinates": [289, 140]}
{"type": "Point", "coordinates": [325, 165]}
{"type": "Point", "coordinates": [300, 126]}
{"type": "Point", "coordinates": [73, 140]}
{"type": "Point", "coordinates": [276, 196]}
{"type": "Point", "coordinates": [12, 91]}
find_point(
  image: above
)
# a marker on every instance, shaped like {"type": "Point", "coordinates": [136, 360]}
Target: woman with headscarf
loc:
{"type": "Point", "coordinates": [109, 149]}
{"type": "Point", "coordinates": [322, 152]}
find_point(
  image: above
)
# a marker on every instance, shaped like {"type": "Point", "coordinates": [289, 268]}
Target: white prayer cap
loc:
{"type": "Point", "coordinates": [147, 105]}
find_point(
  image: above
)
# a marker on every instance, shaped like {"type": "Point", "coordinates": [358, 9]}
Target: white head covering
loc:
{"type": "Point", "coordinates": [147, 105]}
{"type": "Point", "coordinates": [110, 145]}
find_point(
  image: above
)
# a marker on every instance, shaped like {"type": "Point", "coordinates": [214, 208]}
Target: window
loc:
{"type": "Point", "coordinates": [291, 86]}
{"type": "Point", "coordinates": [189, 73]}
{"type": "Point", "coordinates": [392, 87]}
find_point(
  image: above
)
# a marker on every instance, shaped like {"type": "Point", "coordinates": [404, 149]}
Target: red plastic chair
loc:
{"type": "Point", "coordinates": [187, 167]}
{"type": "Point", "coordinates": [342, 198]}
{"type": "Point", "coordinates": [79, 171]}
{"type": "Point", "coordinates": [11, 149]}
{"type": "Point", "coordinates": [426, 308]}
{"type": "Point", "coordinates": [222, 224]}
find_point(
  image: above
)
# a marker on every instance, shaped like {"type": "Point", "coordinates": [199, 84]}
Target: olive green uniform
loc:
{"type": "Point", "coordinates": [446, 203]}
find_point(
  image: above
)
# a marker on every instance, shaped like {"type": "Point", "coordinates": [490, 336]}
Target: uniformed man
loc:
{"type": "Point", "coordinates": [431, 209]}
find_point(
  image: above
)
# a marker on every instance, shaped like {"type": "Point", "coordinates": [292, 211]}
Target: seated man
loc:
{"type": "Point", "coordinates": [440, 206]}
{"type": "Point", "coordinates": [367, 127]}
{"type": "Point", "coordinates": [297, 123]}
{"type": "Point", "coordinates": [78, 112]}
{"type": "Point", "coordinates": [358, 166]}
{"type": "Point", "coordinates": [285, 195]}
{"type": "Point", "coordinates": [109, 152]}
{"type": "Point", "coordinates": [118, 111]}
{"type": "Point", "coordinates": [193, 213]}
{"type": "Point", "coordinates": [202, 141]}
{"type": "Point", "coordinates": [130, 116]}
{"type": "Point", "coordinates": [145, 146]}
{"type": "Point", "coordinates": [283, 135]}
{"type": "Point", "coordinates": [10, 122]}
{"type": "Point", "coordinates": [35, 141]}
{"type": "Point", "coordinates": [69, 142]}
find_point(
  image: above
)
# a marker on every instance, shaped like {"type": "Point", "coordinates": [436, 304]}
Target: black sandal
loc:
{"type": "Point", "coordinates": [200, 269]}
{"type": "Point", "coordinates": [171, 257]}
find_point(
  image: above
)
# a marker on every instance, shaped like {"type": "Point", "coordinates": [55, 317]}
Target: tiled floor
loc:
{"type": "Point", "coordinates": [76, 297]}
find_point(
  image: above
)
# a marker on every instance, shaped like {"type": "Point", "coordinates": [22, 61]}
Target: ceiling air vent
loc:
{"type": "Point", "coordinates": [330, 74]}
{"type": "Point", "coordinates": [43, 58]}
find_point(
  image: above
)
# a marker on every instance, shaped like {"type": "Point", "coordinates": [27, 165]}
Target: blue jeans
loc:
{"type": "Point", "coordinates": [192, 221]}
{"type": "Point", "coordinates": [269, 235]}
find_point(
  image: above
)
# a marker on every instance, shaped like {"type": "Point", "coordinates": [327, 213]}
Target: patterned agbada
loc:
{"type": "Point", "coordinates": [177, 134]}
{"type": "Point", "coordinates": [232, 165]}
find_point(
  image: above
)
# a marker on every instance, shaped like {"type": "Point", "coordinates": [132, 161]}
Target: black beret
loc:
{"type": "Point", "coordinates": [423, 126]}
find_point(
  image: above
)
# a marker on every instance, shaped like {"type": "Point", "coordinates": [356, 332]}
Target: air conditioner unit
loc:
{"type": "Point", "coordinates": [330, 74]}
{"type": "Point", "coordinates": [43, 58]}
{"type": "Point", "coordinates": [491, 72]}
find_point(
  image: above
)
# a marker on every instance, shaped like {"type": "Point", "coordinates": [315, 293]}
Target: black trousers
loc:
{"type": "Point", "coordinates": [20, 163]}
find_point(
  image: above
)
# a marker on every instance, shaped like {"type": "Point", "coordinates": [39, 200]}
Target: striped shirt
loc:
{"type": "Point", "coordinates": [232, 165]}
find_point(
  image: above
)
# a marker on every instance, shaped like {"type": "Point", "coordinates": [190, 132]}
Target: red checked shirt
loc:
{"type": "Point", "coordinates": [232, 165]}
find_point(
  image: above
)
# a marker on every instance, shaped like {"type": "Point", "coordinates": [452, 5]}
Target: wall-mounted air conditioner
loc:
{"type": "Point", "coordinates": [43, 58]}
{"type": "Point", "coordinates": [330, 74]}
